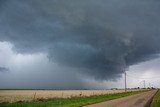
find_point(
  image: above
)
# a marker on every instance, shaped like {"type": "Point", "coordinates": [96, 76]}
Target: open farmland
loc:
{"type": "Point", "coordinates": [72, 102]}
{"type": "Point", "coordinates": [29, 95]}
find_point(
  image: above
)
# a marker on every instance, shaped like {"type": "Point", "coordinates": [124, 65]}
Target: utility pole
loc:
{"type": "Point", "coordinates": [125, 81]}
{"type": "Point", "coordinates": [144, 82]}
{"type": "Point", "coordinates": [149, 85]}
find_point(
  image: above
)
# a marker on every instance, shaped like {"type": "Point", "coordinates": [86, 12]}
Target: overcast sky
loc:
{"type": "Point", "coordinates": [79, 44]}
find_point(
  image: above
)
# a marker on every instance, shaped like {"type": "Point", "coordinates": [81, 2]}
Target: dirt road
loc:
{"type": "Point", "coordinates": [139, 100]}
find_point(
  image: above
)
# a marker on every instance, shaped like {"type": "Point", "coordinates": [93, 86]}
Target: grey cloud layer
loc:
{"type": "Point", "coordinates": [100, 38]}
{"type": "Point", "coordinates": [3, 69]}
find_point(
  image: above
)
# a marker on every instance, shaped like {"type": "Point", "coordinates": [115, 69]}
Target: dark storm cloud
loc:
{"type": "Point", "coordinates": [3, 69]}
{"type": "Point", "coordinates": [97, 37]}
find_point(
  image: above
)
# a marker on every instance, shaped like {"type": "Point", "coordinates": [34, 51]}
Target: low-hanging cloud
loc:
{"type": "Point", "coordinates": [4, 69]}
{"type": "Point", "coordinates": [99, 38]}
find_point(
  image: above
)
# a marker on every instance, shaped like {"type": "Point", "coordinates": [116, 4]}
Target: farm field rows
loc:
{"type": "Point", "coordinates": [72, 102]}
{"type": "Point", "coordinates": [29, 95]}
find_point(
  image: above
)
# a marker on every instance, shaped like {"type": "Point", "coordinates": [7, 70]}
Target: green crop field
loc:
{"type": "Point", "coordinates": [70, 102]}
{"type": "Point", "coordinates": [156, 100]}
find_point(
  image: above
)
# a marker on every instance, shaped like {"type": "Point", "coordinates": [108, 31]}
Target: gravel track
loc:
{"type": "Point", "coordinates": [139, 100]}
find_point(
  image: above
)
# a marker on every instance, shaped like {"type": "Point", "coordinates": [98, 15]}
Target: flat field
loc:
{"type": "Point", "coordinates": [30, 95]}
{"type": "Point", "coordinates": [71, 102]}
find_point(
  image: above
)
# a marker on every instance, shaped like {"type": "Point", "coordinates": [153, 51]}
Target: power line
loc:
{"type": "Point", "coordinates": [125, 81]}
{"type": "Point", "coordinates": [143, 78]}
{"type": "Point", "coordinates": [144, 82]}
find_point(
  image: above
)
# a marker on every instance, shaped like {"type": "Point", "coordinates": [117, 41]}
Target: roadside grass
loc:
{"type": "Point", "coordinates": [71, 102]}
{"type": "Point", "coordinates": [156, 100]}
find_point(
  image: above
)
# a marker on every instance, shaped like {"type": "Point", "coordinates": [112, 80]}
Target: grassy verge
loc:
{"type": "Point", "coordinates": [70, 102]}
{"type": "Point", "coordinates": [156, 100]}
